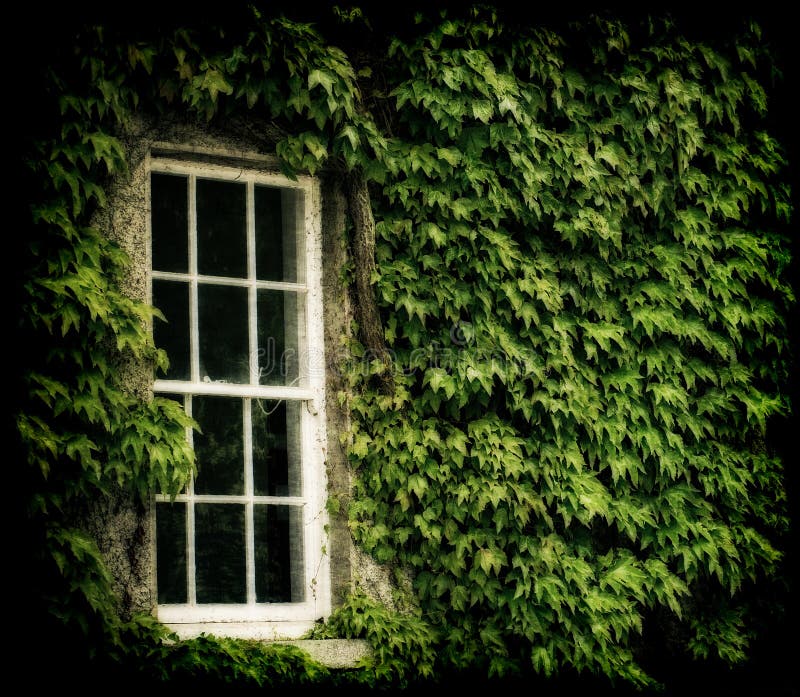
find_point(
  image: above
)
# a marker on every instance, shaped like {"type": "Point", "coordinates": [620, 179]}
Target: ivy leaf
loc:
{"type": "Point", "coordinates": [321, 77]}
{"type": "Point", "coordinates": [491, 560]}
{"type": "Point", "coordinates": [214, 82]}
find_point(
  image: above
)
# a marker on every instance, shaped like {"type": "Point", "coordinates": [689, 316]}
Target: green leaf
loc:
{"type": "Point", "coordinates": [482, 110]}
{"type": "Point", "coordinates": [321, 77]}
{"type": "Point", "coordinates": [491, 560]}
{"type": "Point", "coordinates": [214, 82]}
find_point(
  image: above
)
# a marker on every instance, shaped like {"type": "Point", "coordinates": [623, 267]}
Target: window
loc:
{"type": "Point", "coordinates": [236, 270]}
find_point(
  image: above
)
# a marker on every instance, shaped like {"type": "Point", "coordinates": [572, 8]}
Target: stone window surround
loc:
{"type": "Point", "coordinates": [115, 524]}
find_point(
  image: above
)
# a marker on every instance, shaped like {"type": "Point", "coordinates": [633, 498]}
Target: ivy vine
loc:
{"type": "Point", "coordinates": [580, 268]}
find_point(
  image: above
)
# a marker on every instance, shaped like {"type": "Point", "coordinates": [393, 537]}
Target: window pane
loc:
{"type": "Point", "coordinates": [219, 447]}
{"type": "Point", "coordinates": [279, 223]}
{"type": "Point", "coordinates": [170, 226]}
{"type": "Point", "coordinates": [276, 448]}
{"type": "Point", "coordinates": [223, 334]}
{"type": "Point", "coordinates": [172, 298]}
{"type": "Point", "coordinates": [171, 552]}
{"type": "Point", "coordinates": [221, 228]}
{"type": "Point", "coordinates": [281, 325]}
{"type": "Point", "coordinates": [279, 554]}
{"type": "Point", "coordinates": [220, 553]}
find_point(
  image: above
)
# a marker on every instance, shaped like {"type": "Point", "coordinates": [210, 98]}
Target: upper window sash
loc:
{"type": "Point", "coordinates": [309, 342]}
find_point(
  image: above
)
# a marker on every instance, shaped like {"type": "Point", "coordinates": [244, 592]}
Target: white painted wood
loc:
{"type": "Point", "coordinates": [314, 424]}
{"type": "Point", "coordinates": [194, 313]}
{"type": "Point", "coordinates": [234, 498]}
{"type": "Point", "coordinates": [232, 389]}
{"type": "Point", "coordinates": [247, 629]}
{"type": "Point", "coordinates": [191, 582]}
{"type": "Point", "coordinates": [244, 612]}
{"type": "Point", "coordinates": [228, 281]}
{"type": "Point", "coordinates": [252, 619]}
{"type": "Point", "coordinates": [250, 553]}
{"type": "Point", "coordinates": [251, 287]}
{"type": "Point", "coordinates": [227, 173]}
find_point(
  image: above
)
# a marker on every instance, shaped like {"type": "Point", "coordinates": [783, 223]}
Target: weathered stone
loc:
{"type": "Point", "coordinates": [334, 653]}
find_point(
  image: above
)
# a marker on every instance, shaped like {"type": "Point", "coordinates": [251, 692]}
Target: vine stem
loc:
{"type": "Point", "coordinates": [363, 250]}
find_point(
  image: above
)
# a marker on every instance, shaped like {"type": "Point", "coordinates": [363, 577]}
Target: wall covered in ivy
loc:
{"type": "Point", "coordinates": [567, 433]}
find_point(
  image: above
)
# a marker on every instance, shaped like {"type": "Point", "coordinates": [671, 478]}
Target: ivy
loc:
{"type": "Point", "coordinates": [617, 268]}
{"type": "Point", "coordinates": [581, 268]}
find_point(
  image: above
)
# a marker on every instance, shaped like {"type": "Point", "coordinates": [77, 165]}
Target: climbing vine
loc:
{"type": "Point", "coordinates": [580, 282]}
{"type": "Point", "coordinates": [578, 248]}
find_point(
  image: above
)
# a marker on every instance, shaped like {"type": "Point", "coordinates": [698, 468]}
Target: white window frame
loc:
{"type": "Point", "coordinates": [252, 619]}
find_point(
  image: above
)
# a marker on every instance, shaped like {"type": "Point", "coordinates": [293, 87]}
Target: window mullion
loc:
{"type": "Point", "coordinates": [190, 565]}
{"type": "Point", "coordinates": [194, 331]}
{"type": "Point", "coordinates": [248, 492]}
{"type": "Point", "coordinates": [252, 299]}
{"type": "Point", "coordinates": [194, 363]}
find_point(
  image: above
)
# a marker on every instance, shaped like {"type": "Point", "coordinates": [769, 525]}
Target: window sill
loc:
{"type": "Point", "coordinates": [333, 653]}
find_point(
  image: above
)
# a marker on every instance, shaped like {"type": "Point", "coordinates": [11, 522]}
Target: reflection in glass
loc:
{"type": "Point", "coordinates": [279, 554]}
{"type": "Point", "coordinates": [169, 222]}
{"type": "Point", "coordinates": [220, 553]}
{"type": "Point", "coordinates": [223, 334]}
{"type": "Point", "coordinates": [221, 228]}
{"type": "Point", "coordinates": [172, 298]}
{"type": "Point", "coordinates": [171, 552]}
{"type": "Point", "coordinates": [276, 448]}
{"type": "Point", "coordinates": [279, 220]}
{"type": "Point", "coordinates": [280, 323]}
{"type": "Point", "coordinates": [218, 446]}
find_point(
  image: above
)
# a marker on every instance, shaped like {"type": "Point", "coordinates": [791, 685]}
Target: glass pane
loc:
{"type": "Point", "coordinates": [170, 222]}
{"type": "Point", "coordinates": [276, 448]}
{"type": "Point", "coordinates": [220, 553]}
{"type": "Point", "coordinates": [281, 324]}
{"type": "Point", "coordinates": [219, 446]}
{"type": "Point", "coordinates": [279, 223]}
{"type": "Point", "coordinates": [171, 552]}
{"type": "Point", "coordinates": [221, 228]}
{"type": "Point", "coordinates": [172, 298]}
{"type": "Point", "coordinates": [223, 334]}
{"type": "Point", "coordinates": [279, 554]}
